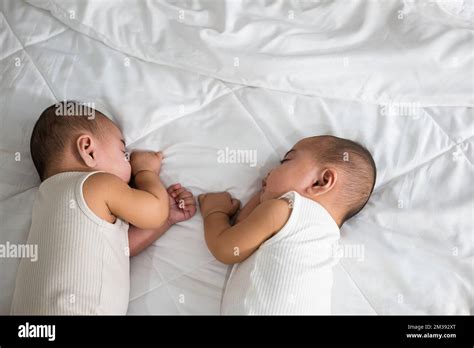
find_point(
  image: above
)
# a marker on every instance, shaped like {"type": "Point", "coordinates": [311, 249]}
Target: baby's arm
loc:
{"type": "Point", "coordinates": [248, 208]}
{"type": "Point", "coordinates": [139, 239]}
{"type": "Point", "coordinates": [233, 244]}
{"type": "Point", "coordinates": [182, 207]}
{"type": "Point", "coordinates": [145, 207]}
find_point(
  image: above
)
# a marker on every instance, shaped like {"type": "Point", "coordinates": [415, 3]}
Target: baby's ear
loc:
{"type": "Point", "coordinates": [85, 146]}
{"type": "Point", "coordinates": [323, 182]}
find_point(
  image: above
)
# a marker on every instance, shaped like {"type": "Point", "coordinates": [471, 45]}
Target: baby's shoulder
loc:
{"type": "Point", "coordinates": [97, 189]}
{"type": "Point", "coordinates": [101, 183]}
{"type": "Point", "coordinates": [278, 211]}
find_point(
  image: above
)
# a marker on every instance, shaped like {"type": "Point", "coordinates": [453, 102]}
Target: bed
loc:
{"type": "Point", "coordinates": [192, 78]}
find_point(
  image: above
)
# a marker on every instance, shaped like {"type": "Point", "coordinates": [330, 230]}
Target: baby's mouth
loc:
{"type": "Point", "coordinates": [264, 184]}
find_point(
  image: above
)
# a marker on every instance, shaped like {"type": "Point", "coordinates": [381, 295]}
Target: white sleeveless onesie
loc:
{"type": "Point", "coordinates": [83, 261]}
{"type": "Point", "coordinates": [290, 273]}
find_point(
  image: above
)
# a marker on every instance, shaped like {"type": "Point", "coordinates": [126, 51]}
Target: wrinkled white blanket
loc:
{"type": "Point", "coordinates": [195, 78]}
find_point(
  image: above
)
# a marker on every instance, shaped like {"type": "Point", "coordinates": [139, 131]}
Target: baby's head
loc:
{"type": "Point", "coordinates": [69, 136]}
{"type": "Point", "coordinates": [337, 173]}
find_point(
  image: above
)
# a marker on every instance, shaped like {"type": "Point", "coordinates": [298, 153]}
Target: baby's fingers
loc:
{"type": "Point", "coordinates": [190, 210]}
{"type": "Point", "coordinates": [179, 191]}
{"type": "Point", "coordinates": [172, 188]}
{"type": "Point", "coordinates": [181, 194]}
{"type": "Point", "coordinates": [185, 194]}
{"type": "Point", "coordinates": [184, 203]}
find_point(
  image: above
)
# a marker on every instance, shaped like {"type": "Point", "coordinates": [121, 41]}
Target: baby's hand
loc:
{"type": "Point", "coordinates": [182, 204]}
{"type": "Point", "coordinates": [146, 160]}
{"type": "Point", "coordinates": [218, 202]}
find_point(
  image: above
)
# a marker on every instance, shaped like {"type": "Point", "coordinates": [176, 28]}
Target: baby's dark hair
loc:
{"type": "Point", "coordinates": [355, 162]}
{"type": "Point", "coordinates": [56, 127]}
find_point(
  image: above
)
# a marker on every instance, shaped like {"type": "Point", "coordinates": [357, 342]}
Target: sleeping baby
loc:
{"type": "Point", "coordinates": [87, 220]}
{"type": "Point", "coordinates": [284, 238]}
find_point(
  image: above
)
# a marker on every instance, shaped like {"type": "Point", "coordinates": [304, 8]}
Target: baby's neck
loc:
{"type": "Point", "coordinates": [63, 169]}
{"type": "Point", "coordinates": [331, 208]}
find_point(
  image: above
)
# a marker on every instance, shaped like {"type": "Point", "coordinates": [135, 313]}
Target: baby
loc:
{"type": "Point", "coordinates": [283, 240]}
{"type": "Point", "coordinates": [82, 213]}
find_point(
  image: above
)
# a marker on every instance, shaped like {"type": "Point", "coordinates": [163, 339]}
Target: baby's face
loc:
{"type": "Point", "coordinates": [111, 155]}
{"type": "Point", "coordinates": [295, 173]}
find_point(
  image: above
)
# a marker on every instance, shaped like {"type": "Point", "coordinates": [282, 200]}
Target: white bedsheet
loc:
{"type": "Point", "coordinates": [192, 78]}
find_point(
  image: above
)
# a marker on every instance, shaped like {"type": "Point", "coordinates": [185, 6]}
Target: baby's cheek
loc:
{"type": "Point", "coordinates": [128, 171]}
{"type": "Point", "coordinates": [124, 170]}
